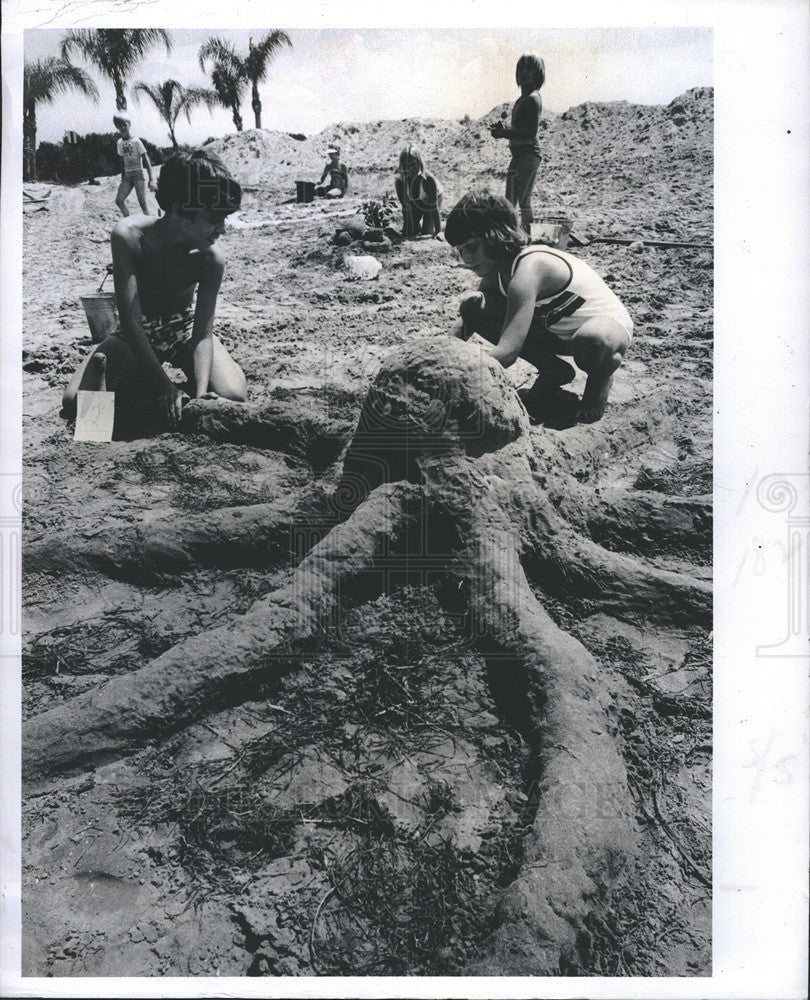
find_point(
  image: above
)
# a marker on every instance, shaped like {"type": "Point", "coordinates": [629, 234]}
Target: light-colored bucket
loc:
{"type": "Point", "coordinates": [102, 314]}
{"type": "Point", "coordinates": [552, 230]}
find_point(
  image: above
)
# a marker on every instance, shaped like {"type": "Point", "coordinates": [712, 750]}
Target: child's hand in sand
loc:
{"type": "Point", "coordinates": [470, 309]}
{"type": "Point", "coordinates": [170, 402]}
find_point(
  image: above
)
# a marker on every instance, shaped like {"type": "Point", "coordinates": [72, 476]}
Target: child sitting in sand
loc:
{"type": "Point", "coordinates": [537, 303]}
{"type": "Point", "coordinates": [337, 173]}
{"type": "Point", "coordinates": [420, 196]}
{"type": "Point", "coordinates": [158, 263]}
{"type": "Point", "coordinates": [134, 157]}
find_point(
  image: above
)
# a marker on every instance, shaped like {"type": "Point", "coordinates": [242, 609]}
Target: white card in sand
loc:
{"type": "Point", "coordinates": [95, 412]}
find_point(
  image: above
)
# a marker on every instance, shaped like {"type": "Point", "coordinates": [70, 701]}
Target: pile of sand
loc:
{"type": "Point", "coordinates": [587, 141]}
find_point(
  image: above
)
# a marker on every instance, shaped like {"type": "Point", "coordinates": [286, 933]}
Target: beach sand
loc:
{"type": "Point", "coordinates": [310, 824]}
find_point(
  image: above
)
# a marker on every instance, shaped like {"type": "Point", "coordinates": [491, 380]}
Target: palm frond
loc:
{"type": "Point", "coordinates": [113, 50]}
{"type": "Point", "coordinates": [172, 99]}
{"type": "Point", "coordinates": [45, 79]}
{"type": "Point", "coordinates": [221, 53]}
{"type": "Point", "coordinates": [199, 97]}
{"type": "Point", "coordinates": [260, 55]}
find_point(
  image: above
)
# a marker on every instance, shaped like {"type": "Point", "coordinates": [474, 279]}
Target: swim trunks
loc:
{"type": "Point", "coordinates": [168, 335]}
{"type": "Point", "coordinates": [585, 296]}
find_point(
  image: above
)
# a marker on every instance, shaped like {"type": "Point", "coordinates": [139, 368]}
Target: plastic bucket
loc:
{"type": "Point", "coordinates": [101, 313]}
{"type": "Point", "coordinates": [552, 230]}
{"type": "Point", "coordinates": [304, 191]}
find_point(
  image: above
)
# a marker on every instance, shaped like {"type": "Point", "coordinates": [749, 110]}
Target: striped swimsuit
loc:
{"type": "Point", "coordinates": [585, 296]}
{"type": "Point", "coordinates": [168, 335]}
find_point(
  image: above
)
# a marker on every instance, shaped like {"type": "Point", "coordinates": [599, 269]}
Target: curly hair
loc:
{"type": "Point", "coordinates": [486, 216]}
{"type": "Point", "coordinates": [534, 68]}
{"type": "Point", "coordinates": [192, 180]}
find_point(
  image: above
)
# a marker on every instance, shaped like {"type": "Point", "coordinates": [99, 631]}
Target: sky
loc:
{"type": "Point", "coordinates": [333, 75]}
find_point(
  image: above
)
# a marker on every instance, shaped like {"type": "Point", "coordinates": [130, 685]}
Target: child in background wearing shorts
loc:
{"type": "Point", "coordinates": [522, 134]}
{"type": "Point", "coordinates": [537, 303]}
{"type": "Point", "coordinates": [134, 157]}
{"type": "Point", "coordinates": [158, 265]}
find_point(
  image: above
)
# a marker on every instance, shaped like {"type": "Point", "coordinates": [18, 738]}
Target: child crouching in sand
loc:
{"type": "Point", "coordinates": [537, 303]}
{"type": "Point", "coordinates": [419, 194]}
{"type": "Point", "coordinates": [158, 264]}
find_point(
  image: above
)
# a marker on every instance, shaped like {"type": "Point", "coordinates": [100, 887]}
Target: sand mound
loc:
{"type": "Point", "coordinates": [589, 137]}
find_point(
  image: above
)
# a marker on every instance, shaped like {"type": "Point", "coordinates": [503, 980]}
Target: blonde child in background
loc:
{"type": "Point", "coordinates": [134, 158]}
{"type": "Point", "coordinates": [419, 194]}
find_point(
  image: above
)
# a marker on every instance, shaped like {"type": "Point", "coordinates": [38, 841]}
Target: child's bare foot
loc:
{"type": "Point", "coordinates": [552, 373]}
{"type": "Point", "coordinates": [594, 399]}
{"type": "Point", "coordinates": [545, 392]}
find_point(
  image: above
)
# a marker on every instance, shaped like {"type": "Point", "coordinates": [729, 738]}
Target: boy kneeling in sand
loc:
{"type": "Point", "coordinates": [158, 263]}
{"type": "Point", "coordinates": [536, 303]}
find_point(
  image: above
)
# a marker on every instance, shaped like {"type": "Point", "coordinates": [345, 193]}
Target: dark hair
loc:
{"type": "Point", "coordinates": [486, 216]}
{"type": "Point", "coordinates": [535, 70]}
{"type": "Point", "coordinates": [194, 180]}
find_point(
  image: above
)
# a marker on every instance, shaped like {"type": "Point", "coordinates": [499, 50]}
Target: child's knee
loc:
{"type": "Point", "coordinates": [69, 399]}
{"type": "Point", "coordinates": [598, 349]}
{"type": "Point", "coordinates": [236, 390]}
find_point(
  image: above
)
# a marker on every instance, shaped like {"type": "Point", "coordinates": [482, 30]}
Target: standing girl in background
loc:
{"type": "Point", "coordinates": [524, 143]}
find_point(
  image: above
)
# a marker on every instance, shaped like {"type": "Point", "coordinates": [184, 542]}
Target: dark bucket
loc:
{"type": "Point", "coordinates": [304, 192]}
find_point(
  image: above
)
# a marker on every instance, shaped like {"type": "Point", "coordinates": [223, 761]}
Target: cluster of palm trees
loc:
{"type": "Point", "coordinates": [114, 52]}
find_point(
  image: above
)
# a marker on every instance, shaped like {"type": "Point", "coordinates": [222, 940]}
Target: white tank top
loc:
{"type": "Point", "coordinates": [584, 296]}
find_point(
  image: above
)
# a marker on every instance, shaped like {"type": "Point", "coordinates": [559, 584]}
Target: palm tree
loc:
{"type": "Point", "coordinates": [235, 71]}
{"type": "Point", "coordinates": [228, 75]}
{"type": "Point", "coordinates": [43, 80]}
{"type": "Point", "coordinates": [115, 51]}
{"type": "Point", "coordinates": [173, 99]}
{"type": "Point", "coordinates": [257, 63]}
